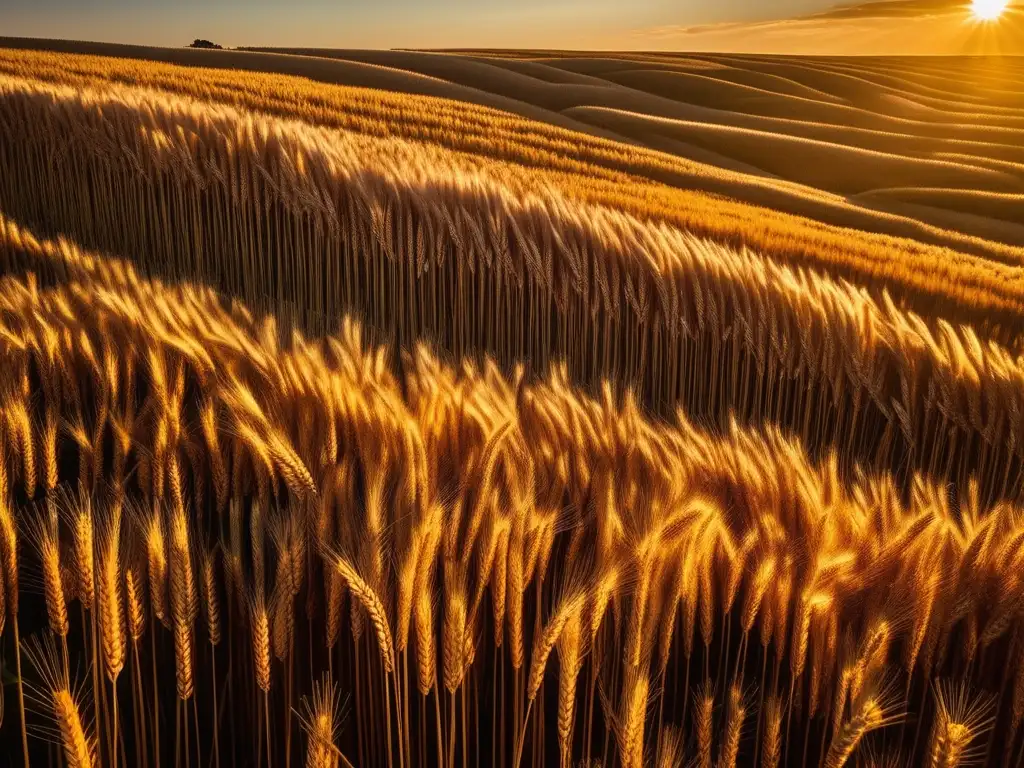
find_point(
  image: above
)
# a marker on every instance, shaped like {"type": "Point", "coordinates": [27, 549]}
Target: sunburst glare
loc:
{"type": "Point", "coordinates": [989, 10]}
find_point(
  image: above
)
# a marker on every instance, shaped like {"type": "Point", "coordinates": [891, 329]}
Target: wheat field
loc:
{"type": "Point", "coordinates": [353, 415]}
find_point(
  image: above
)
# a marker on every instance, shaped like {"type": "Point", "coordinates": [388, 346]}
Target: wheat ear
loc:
{"type": "Point", "coordinates": [734, 717]}
{"type": "Point", "coordinates": [570, 659]}
{"type": "Point", "coordinates": [959, 720]}
{"type": "Point", "coordinates": [372, 604]}
{"type": "Point", "coordinates": [84, 550]}
{"type": "Point", "coordinates": [111, 611]}
{"type": "Point", "coordinates": [634, 714]}
{"type": "Point", "coordinates": [9, 534]}
{"type": "Point", "coordinates": [183, 608]}
{"type": "Point", "coordinates": [771, 752]}
{"type": "Point", "coordinates": [156, 565]}
{"type": "Point", "coordinates": [867, 717]}
{"type": "Point", "coordinates": [320, 723]}
{"type": "Point", "coordinates": [136, 611]}
{"type": "Point", "coordinates": [454, 635]}
{"type": "Point", "coordinates": [670, 749]}
{"type": "Point", "coordinates": [53, 583]}
{"type": "Point", "coordinates": [704, 717]}
{"type": "Point", "coordinates": [570, 606]}
{"type": "Point", "coordinates": [425, 650]}
{"type": "Point", "coordinates": [261, 641]}
{"type": "Point", "coordinates": [211, 598]}
{"type": "Point", "coordinates": [79, 747]}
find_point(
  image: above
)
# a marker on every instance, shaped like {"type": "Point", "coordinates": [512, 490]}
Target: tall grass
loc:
{"type": "Point", "coordinates": [312, 223]}
{"type": "Point", "coordinates": [534, 575]}
{"type": "Point", "coordinates": [692, 196]}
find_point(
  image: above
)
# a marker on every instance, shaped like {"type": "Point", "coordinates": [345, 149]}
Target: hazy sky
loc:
{"type": "Point", "coordinates": [768, 26]}
{"type": "Point", "coordinates": [380, 23]}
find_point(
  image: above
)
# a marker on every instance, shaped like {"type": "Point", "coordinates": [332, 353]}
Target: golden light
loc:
{"type": "Point", "coordinates": [988, 10]}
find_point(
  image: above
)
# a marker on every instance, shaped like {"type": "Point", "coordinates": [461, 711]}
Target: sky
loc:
{"type": "Point", "coordinates": [825, 26]}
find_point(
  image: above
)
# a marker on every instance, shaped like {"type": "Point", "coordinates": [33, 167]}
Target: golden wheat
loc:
{"type": "Point", "coordinates": [819, 340]}
{"type": "Point", "coordinates": [704, 439]}
{"type": "Point", "coordinates": [867, 716]}
{"type": "Point", "coordinates": [322, 726]}
{"type": "Point", "coordinates": [182, 591]}
{"type": "Point", "coordinates": [782, 511]}
{"type": "Point", "coordinates": [587, 168]}
{"type": "Point", "coordinates": [79, 748]}
{"type": "Point", "coordinates": [959, 721]}
{"type": "Point", "coordinates": [45, 535]}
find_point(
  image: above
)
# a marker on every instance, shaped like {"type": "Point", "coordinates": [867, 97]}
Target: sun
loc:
{"type": "Point", "coordinates": [988, 10]}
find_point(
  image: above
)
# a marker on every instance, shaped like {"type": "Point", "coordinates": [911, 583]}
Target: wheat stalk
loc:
{"type": "Point", "coordinates": [8, 537]}
{"type": "Point", "coordinates": [782, 533]}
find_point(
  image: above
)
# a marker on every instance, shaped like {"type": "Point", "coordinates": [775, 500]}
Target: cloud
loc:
{"type": "Point", "coordinates": [699, 29]}
{"type": "Point", "coordinates": [895, 9]}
